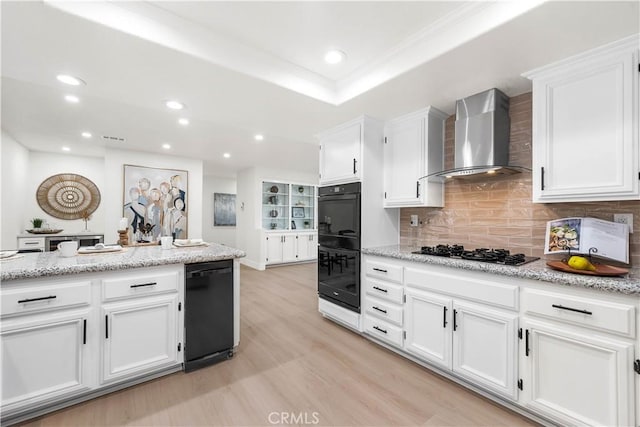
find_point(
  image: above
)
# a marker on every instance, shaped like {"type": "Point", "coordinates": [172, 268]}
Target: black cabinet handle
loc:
{"type": "Point", "coordinates": [31, 243]}
{"type": "Point", "coordinates": [526, 342]}
{"type": "Point", "coordinates": [380, 289]}
{"type": "Point", "coordinates": [354, 166]}
{"type": "Point", "coordinates": [379, 309]}
{"type": "Point", "coordinates": [380, 329]}
{"type": "Point", "coordinates": [542, 178]}
{"type": "Point", "coordinates": [106, 326]}
{"type": "Point", "coordinates": [444, 317]}
{"type": "Point", "coordinates": [84, 332]}
{"type": "Point", "coordinates": [379, 269]}
{"type": "Point", "coordinates": [576, 310]}
{"type": "Point", "coordinates": [36, 299]}
{"type": "Point", "coordinates": [417, 189]}
{"type": "Point", "coordinates": [144, 284]}
{"type": "Point", "coordinates": [455, 320]}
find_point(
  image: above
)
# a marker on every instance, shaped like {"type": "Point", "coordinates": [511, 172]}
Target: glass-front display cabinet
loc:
{"type": "Point", "coordinates": [288, 206]}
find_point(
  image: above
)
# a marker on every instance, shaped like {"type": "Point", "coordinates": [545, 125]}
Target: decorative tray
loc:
{"type": "Point", "coordinates": [99, 249]}
{"type": "Point", "coordinates": [43, 231]}
{"type": "Point", "coordinates": [7, 254]}
{"type": "Point", "coordinates": [601, 269]}
{"type": "Point", "coordinates": [189, 244]}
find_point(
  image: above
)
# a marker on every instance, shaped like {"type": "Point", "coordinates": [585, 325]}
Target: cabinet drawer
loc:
{"type": "Point", "coordinates": [384, 310]}
{"type": "Point", "coordinates": [390, 272]}
{"type": "Point", "coordinates": [33, 299]}
{"type": "Point", "coordinates": [139, 285]}
{"type": "Point", "coordinates": [31, 243]}
{"type": "Point", "coordinates": [587, 312]}
{"type": "Point", "coordinates": [383, 330]}
{"type": "Point", "coordinates": [384, 290]}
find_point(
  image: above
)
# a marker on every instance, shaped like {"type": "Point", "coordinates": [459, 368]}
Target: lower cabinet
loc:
{"type": "Point", "coordinates": [44, 357]}
{"type": "Point", "coordinates": [577, 377]}
{"type": "Point", "coordinates": [280, 248]}
{"type": "Point", "coordinates": [307, 246]}
{"type": "Point", "coordinates": [140, 335]}
{"type": "Point", "coordinates": [474, 341]}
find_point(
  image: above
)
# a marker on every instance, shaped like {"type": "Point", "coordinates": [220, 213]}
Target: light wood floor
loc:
{"type": "Point", "coordinates": [292, 360]}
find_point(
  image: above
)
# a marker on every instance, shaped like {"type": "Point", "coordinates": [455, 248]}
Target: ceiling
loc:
{"type": "Point", "coordinates": [244, 68]}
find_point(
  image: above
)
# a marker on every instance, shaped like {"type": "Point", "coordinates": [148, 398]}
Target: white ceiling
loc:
{"type": "Point", "coordinates": [256, 67]}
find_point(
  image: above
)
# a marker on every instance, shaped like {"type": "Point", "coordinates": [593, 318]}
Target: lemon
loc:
{"type": "Point", "coordinates": [580, 263]}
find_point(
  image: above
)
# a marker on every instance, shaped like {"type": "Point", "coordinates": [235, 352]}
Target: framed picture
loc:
{"type": "Point", "coordinates": [297, 212]}
{"type": "Point", "coordinates": [155, 202]}
{"type": "Point", "coordinates": [224, 210]}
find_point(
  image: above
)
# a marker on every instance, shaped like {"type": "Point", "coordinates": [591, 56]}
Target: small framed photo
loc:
{"type": "Point", "coordinates": [297, 212]}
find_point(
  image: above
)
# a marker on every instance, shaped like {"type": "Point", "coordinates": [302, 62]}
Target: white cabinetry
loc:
{"type": "Point", "coordinates": [427, 325]}
{"type": "Point", "coordinates": [307, 246]}
{"type": "Point", "coordinates": [45, 355]}
{"type": "Point", "coordinates": [577, 367]}
{"type": "Point", "coordinates": [280, 248]}
{"type": "Point", "coordinates": [414, 148]}
{"type": "Point", "coordinates": [341, 150]}
{"type": "Point", "coordinates": [384, 295]}
{"type": "Point", "coordinates": [585, 126]}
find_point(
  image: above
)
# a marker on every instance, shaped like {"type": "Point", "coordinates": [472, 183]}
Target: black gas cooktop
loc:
{"type": "Point", "coordinates": [496, 256]}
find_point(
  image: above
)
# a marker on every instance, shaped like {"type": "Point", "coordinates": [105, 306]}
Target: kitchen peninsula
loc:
{"type": "Point", "coordinates": [78, 327]}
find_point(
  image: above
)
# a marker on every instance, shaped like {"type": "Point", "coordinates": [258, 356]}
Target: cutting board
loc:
{"type": "Point", "coordinates": [601, 269]}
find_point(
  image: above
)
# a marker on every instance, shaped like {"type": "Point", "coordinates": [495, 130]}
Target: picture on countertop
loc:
{"type": "Point", "coordinates": [224, 210]}
{"type": "Point", "coordinates": [155, 203]}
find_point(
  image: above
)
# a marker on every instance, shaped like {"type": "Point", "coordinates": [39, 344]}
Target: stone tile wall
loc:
{"type": "Point", "coordinates": [498, 212]}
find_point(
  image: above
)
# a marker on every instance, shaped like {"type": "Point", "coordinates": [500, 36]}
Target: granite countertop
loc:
{"type": "Point", "coordinates": [45, 264]}
{"type": "Point", "coordinates": [537, 270]}
{"type": "Point", "coordinates": [62, 234]}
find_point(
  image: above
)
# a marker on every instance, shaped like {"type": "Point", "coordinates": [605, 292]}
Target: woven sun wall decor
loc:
{"type": "Point", "coordinates": [68, 196]}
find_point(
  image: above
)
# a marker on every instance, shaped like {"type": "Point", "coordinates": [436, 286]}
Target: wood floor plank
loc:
{"type": "Point", "coordinates": [292, 362]}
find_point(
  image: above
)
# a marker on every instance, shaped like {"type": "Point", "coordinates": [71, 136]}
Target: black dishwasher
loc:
{"type": "Point", "coordinates": [208, 313]}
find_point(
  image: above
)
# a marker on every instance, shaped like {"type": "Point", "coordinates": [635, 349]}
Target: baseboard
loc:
{"type": "Point", "coordinates": [252, 264]}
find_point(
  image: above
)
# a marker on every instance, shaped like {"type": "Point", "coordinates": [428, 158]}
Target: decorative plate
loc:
{"type": "Point", "coordinates": [68, 196]}
{"type": "Point", "coordinates": [601, 269]}
{"type": "Point", "coordinates": [274, 189]}
{"type": "Point", "coordinates": [43, 231]}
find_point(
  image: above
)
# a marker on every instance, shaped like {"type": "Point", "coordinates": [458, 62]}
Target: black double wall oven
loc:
{"type": "Point", "coordinates": [339, 245]}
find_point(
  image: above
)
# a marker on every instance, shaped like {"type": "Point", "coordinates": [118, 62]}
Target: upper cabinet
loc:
{"type": "Point", "coordinates": [341, 150]}
{"type": "Point", "coordinates": [414, 148]}
{"type": "Point", "coordinates": [288, 206]}
{"type": "Point", "coordinates": [585, 126]}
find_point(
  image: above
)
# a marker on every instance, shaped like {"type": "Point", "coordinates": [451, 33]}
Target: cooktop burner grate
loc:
{"type": "Point", "coordinates": [496, 256]}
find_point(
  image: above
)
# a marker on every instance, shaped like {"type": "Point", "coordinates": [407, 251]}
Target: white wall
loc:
{"type": "Point", "coordinates": [13, 191]}
{"type": "Point", "coordinates": [249, 186]}
{"type": "Point", "coordinates": [224, 235]}
{"type": "Point", "coordinates": [114, 162]}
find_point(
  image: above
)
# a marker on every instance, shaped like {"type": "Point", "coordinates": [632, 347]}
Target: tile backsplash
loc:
{"type": "Point", "coordinates": [498, 212]}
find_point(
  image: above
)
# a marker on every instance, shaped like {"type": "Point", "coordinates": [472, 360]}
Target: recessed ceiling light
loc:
{"type": "Point", "coordinates": [259, 137]}
{"type": "Point", "coordinates": [174, 105]}
{"type": "Point", "coordinates": [183, 121]}
{"type": "Point", "coordinates": [86, 134]}
{"type": "Point", "coordinates": [334, 56]}
{"type": "Point", "coordinates": [70, 80]}
{"type": "Point", "coordinates": [72, 98]}
{"type": "Point", "coordinates": [166, 146]}
{"type": "Point", "coordinates": [226, 155]}
{"type": "Point", "coordinates": [66, 149]}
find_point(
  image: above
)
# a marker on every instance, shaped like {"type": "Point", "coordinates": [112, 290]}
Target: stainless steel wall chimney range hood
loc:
{"type": "Point", "coordinates": [482, 137]}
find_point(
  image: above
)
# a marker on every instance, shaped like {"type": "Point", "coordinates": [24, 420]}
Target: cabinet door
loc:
{"type": "Point", "coordinates": [44, 357]}
{"type": "Point", "coordinates": [289, 248]}
{"type": "Point", "coordinates": [307, 246]}
{"type": "Point", "coordinates": [576, 377]}
{"type": "Point", "coordinates": [428, 326]}
{"type": "Point", "coordinates": [340, 155]}
{"type": "Point", "coordinates": [585, 124]}
{"type": "Point", "coordinates": [139, 336]}
{"type": "Point", "coordinates": [274, 248]}
{"type": "Point", "coordinates": [484, 347]}
{"type": "Point", "coordinates": [404, 160]}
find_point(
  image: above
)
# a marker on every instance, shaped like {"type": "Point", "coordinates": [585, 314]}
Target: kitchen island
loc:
{"type": "Point", "coordinates": [78, 327]}
{"type": "Point", "coordinates": [561, 348]}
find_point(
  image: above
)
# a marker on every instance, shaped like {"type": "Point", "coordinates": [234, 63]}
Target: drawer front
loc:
{"type": "Point", "coordinates": [139, 285]}
{"type": "Point", "coordinates": [31, 243]}
{"type": "Point", "coordinates": [587, 312]}
{"type": "Point", "coordinates": [383, 330]}
{"type": "Point", "coordinates": [42, 298]}
{"type": "Point", "coordinates": [384, 310]}
{"type": "Point", "coordinates": [384, 290]}
{"type": "Point", "coordinates": [389, 272]}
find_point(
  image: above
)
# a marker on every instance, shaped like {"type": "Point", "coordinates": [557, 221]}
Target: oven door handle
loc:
{"type": "Point", "coordinates": [338, 250]}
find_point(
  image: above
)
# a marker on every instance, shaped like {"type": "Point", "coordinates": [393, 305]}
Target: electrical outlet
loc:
{"type": "Point", "coordinates": [624, 219]}
{"type": "Point", "coordinates": [414, 220]}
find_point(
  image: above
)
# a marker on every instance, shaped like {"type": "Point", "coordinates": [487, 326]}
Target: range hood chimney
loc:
{"type": "Point", "coordinates": [482, 136]}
